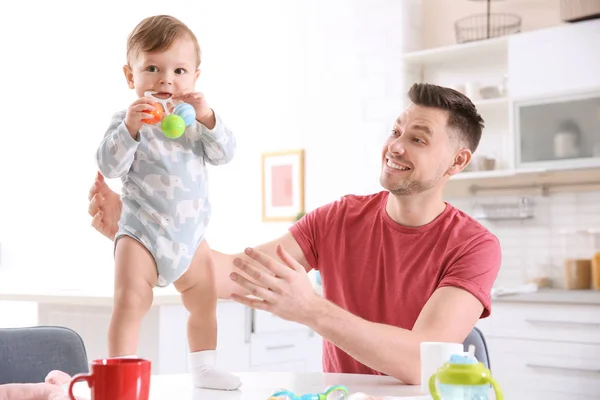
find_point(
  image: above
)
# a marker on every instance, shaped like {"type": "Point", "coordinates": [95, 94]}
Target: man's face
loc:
{"type": "Point", "coordinates": [420, 153]}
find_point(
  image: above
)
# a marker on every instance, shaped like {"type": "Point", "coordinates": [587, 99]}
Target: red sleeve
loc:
{"type": "Point", "coordinates": [476, 270]}
{"type": "Point", "coordinates": [309, 230]}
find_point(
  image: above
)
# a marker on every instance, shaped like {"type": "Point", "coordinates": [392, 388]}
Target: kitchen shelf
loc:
{"type": "Point", "coordinates": [478, 175]}
{"type": "Point", "coordinates": [521, 180]}
{"type": "Point", "coordinates": [458, 52]}
{"type": "Point", "coordinates": [489, 104]}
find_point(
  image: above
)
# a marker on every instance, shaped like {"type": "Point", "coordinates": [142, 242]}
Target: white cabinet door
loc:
{"type": "Point", "coordinates": [562, 59]}
{"type": "Point", "coordinates": [234, 329]}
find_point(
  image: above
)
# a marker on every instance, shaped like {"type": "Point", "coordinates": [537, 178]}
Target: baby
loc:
{"type": "Point", "coordinates": [165, 196]}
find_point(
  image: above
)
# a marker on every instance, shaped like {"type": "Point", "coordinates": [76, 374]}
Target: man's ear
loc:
{"type": "Point", "coordinates": [461, 160]}
{"type": "Point", "coordinates": [128, 76]}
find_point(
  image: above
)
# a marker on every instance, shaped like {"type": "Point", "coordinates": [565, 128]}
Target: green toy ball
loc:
{"type": "Point", "coordinates": [173, 126]}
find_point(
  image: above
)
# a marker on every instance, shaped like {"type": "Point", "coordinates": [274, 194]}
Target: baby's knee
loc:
{"type": "Point", "coordinates": [133, 298]}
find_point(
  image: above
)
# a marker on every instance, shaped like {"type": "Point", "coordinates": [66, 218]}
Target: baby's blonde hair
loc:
{"type": "Point", "coordinates": [157, 33]}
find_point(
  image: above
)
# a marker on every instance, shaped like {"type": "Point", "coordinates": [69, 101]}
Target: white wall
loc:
{"type": "Point", "coordinates": [320, 75]}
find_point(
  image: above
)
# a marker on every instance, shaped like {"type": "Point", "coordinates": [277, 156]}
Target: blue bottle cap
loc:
{"type": "Point", "coordinates": [462, 359]}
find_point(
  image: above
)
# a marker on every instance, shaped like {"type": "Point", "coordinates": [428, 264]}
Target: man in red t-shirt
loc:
{"type": "Point", "coordinates": [398, 267]}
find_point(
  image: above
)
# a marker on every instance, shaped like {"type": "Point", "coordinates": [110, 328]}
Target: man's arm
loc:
{"type": "Point", "coordinates": [448, 316]}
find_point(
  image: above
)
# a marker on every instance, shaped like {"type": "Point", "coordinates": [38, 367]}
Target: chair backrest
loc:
{"type": "Point", "coordinates": [477, 339]}
{"type": "Point", "coordinates": [27, 355]}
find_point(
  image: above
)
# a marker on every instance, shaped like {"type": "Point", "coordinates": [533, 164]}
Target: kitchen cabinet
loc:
{"type": "Point", "coordinates": [558, 131]}
{"type": "Point", "coordinates": [554, 60]}
{"type": "Point", "coordinates": [546, 349]}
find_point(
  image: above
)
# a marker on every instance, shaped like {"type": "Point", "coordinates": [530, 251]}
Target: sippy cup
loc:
{"type": "Point", "coordinates": [463, 378]}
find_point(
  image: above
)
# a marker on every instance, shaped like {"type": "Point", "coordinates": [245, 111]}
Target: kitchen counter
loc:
{"type": "Point", "coordinates": [82, 297]}
{"type": "Point", "coordinates": [561, 296]}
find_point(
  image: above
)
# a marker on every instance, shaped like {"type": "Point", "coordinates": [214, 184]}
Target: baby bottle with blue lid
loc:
{"type": "Point", "coordinates": [463, 378]}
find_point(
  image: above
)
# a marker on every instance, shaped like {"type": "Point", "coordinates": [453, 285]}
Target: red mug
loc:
{"type": "Point", "coordinates": [117, 378]}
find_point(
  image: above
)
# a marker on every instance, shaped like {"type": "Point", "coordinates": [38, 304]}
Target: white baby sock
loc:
{"type": "Point", "coordinates": [206, 375]}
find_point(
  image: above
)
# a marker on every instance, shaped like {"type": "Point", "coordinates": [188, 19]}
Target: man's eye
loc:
{"type": "Point", "coordinates": [394, 132]}
{"type": "Point", "coordinates": [418, 140]}
{"type": "Point", "coordinates": [180, 71]}
{"type": "Point", "coordinates": [152, 68]}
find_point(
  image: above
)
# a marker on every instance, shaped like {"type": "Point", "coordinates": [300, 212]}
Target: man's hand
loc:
{"type": "Point", "coordinates": [204, 114]}
{"type": "Point", "coordinates": [105, 208]}
{"type": "Point", "coordinates": [282, 288]}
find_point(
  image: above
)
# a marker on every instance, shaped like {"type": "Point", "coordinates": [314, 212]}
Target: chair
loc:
{"type": "Point", "coordinates": [28, 354]}
{"type": "Point", "coordinates": [477, 339]}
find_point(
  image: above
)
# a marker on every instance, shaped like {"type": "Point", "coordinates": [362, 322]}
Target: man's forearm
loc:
{"type": "Point", "coordinates": [384, 348]}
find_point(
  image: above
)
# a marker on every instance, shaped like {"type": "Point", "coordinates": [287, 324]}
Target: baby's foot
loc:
{"type": "Point", "coordinates": [213, 378]}
{"type": "Point", "coordinates": [206, 375]}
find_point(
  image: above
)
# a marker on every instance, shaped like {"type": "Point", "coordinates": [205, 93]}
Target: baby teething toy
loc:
{"type": "Point", "coordinates": [173, 123]}
{"type": "Point", "coordinates": [337, 392]}
{"type": "Point", "coordinates": [157, 114]}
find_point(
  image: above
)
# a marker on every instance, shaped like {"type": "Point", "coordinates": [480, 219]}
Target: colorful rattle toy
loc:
{"type": "Point", "coordinates": [337, 392]}
{"type": "Point", "coordinates": [172, 124]}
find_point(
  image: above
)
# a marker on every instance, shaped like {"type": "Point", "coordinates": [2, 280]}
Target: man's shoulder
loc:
{"type": "Point", "coordinates": [467, 228]}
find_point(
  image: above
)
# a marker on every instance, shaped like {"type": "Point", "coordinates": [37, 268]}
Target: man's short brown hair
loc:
{"type": "Point", "coordinates": [462, 113]}
{"type": "Point", "coordinates": [157, 33]}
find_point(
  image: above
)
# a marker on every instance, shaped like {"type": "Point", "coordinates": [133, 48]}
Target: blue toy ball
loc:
{"type": "Point", "coordinates": [185, 111]}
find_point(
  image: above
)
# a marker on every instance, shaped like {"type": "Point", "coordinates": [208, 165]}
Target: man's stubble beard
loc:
{"type": "Point", "coordinates": [410, 187]}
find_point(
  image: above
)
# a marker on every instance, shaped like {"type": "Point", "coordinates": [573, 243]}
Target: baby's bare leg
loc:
{"type": "Point", "coordinates": [135, 276]}
{"type": "Point", "coordinates": [199, 296]}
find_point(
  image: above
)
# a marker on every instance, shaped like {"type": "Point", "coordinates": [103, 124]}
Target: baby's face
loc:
{"type": "Point", "coordinates": [167, 72]}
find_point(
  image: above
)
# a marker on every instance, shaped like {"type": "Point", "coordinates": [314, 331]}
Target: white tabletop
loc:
{"type": "Point", "coordinates": [260, 385]}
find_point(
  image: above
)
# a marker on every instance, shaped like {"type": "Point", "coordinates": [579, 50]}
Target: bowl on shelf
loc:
{"type": "Point", "coordinates": [490, 92]}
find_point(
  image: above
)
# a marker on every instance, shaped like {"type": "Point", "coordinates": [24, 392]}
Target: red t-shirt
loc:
{"type": "Point", "coordinates": [384, 272]}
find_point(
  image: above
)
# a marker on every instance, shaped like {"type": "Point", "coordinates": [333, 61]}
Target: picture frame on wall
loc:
{"type": "Point", "coordinates": [282, 185]}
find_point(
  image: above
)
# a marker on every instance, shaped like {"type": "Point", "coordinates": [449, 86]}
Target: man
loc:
{"type": "Point", "coordinates": [399, 267]}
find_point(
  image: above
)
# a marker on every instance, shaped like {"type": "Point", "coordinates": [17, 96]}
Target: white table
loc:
{"type": "Point", "coordinates": [259, 386]}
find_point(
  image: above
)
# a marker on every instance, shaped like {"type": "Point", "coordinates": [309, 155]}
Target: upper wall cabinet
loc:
{"type": "Point", "coordinates": [555, 60]}
{"type": "Point", "coordinates": [558, 132]}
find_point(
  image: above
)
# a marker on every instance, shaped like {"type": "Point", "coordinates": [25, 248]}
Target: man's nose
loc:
{"type": "Point", "coordinates": [397, 145]}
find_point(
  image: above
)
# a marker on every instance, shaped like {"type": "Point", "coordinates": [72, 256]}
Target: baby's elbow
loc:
{"type": "Point", "coordinates": [222, 157]}
{"type": "Point", "coordinates": [109, 171]}
{"type": "Point", "coordinates": [227, 157]}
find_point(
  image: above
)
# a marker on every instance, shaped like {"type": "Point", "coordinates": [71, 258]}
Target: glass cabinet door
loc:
{"type": "Point", "coordinates": [558, 132]}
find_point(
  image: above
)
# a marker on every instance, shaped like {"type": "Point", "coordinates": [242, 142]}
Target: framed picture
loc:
{"type": "Point", "coordinates": [282, 185]}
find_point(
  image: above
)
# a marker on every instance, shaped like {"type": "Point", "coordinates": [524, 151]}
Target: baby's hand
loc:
{"type": "Point", "coordinates": [204, 113]}
{"type": "Point", "coordinates": [137, 111]}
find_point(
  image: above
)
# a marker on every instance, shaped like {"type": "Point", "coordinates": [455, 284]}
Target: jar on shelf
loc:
{"type": "Point", "coordinates": [581, 264]}
{"type": "Point", "coordinates": [596, 265]}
